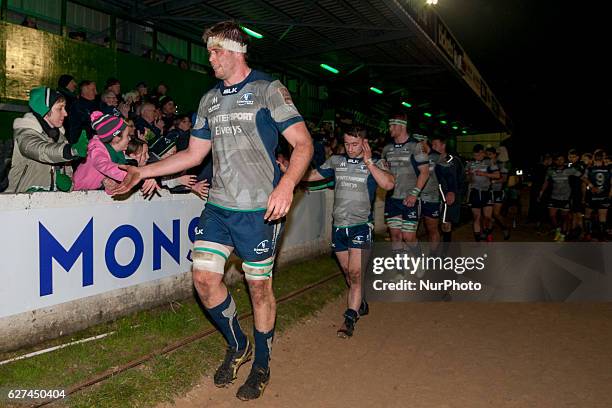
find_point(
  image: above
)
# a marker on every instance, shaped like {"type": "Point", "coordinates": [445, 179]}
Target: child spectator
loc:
{"type": "Point", "coordinates": [104, 153]}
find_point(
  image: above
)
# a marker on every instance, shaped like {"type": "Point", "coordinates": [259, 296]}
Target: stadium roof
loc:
{"type": "Point", "coordinates": [403, 49]}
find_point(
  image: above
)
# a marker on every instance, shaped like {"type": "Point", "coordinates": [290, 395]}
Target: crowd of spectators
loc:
{"type": "Point", "coordinates": [77, 138]}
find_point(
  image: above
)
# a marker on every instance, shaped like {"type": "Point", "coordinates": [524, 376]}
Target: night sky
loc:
{"type": "Point", "coordinates": [528, 53]}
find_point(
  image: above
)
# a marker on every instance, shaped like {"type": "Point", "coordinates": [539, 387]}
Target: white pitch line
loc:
{"type": "Point", "coordinates": [36, 353]}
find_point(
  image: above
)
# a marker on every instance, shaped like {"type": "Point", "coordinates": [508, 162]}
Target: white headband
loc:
{"type": "Point", "coordinates": [226, 44]}
{"type": "Point", "coordinates": [398, 122]}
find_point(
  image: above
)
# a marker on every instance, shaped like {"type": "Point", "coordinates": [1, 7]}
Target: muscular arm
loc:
{"type": "Point", "coordinates": [186, 159]}
{"type": "Point", "coordinates": [298, 137]}
{"type": "Point", "coordinates": [281, 198]}
{"type": "Point", "coordinates": [313, 175]}
{"type": "Point", "coordinates": [423, 176]}
{"type": "Point", "coordinates": [183, 160]}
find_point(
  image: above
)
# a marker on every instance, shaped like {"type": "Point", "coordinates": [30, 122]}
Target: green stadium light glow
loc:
{"type": "Point", "coordinates": [427, 114]}
{"type": "Point", "coordinates": [330, 69]}
{"type": "Point", "coordinates": [455, 127]}
{"type": "Point", "coordinates": [443, 122]}
{"type": "Point", "coordinates": [406, 104]}
{"type": "Point", "coordinates": [251, 32]}
{"type": "Point", "coordinates": [376, 90]}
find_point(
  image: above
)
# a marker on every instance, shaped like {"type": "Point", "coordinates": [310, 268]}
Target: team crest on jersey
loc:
{"type": "Point", "coordinates": [246, 99]}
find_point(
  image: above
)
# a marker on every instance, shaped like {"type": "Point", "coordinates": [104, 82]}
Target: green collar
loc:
{"type": "Point", "coordinates": [116, 157]}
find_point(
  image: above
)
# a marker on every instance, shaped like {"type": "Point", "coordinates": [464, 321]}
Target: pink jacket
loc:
{"type": "Point", "coordinates": [97, 166]}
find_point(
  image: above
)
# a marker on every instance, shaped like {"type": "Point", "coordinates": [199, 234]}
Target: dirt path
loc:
{"type": "Point", "coordinates": [438, 355]}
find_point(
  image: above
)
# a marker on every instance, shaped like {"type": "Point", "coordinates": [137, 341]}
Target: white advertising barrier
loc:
{"type": "Point", "coordinates": [55, 255]}
{"type": "Point", "coordinates": [72, 260]}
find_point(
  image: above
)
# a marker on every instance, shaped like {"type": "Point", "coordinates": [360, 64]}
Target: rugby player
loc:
{"type": "Point", "coordinates": [239, 120]}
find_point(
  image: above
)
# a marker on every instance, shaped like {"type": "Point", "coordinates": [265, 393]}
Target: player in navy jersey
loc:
{"type": "Point", "coordinates": [451, 186]}
{"type": "Point", "coordinates": [410, 167]}
{"type": "Point", "coordinates": [497, 191]}
{"type": "Point", "coordinates": [598, 193]}
{"type": "Point", "coordinates": [240, 120]}
{"type": "Point", "coordinates": [480, 173]}
{"type": "Point", "coordinates": [558, 177]}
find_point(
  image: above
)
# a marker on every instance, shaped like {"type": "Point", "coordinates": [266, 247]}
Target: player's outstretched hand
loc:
{"type": "Point", "coordinates": [279, 201]}
{"type": "Point", "coordinates": [132, 178]}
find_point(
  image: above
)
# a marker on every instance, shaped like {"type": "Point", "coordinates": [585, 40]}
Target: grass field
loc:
{"type": "Point", "coordinates": [165, 376]}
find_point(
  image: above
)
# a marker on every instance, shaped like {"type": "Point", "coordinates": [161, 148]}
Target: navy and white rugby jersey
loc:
{"type": "Point", "coordinates": [561, 188]}
{"type": "Point", "coordinates": [403, 160]}
{"type": "Point", "coordinates": [243, 122]}
{"type": "Point", "coordinates": [355, 189]}
{"type": "Point", "coordinates": [599, 176]}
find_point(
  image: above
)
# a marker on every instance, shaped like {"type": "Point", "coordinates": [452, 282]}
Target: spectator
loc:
{"type": "Point", "coordinates": [108, 103]}
{"type": "Point", "coordinates": [160, 91]}
{"type": "Point", "coordinates": [131, 101]}
{"type": "Point", "coordinates": [67, 86]}
{"type": "Point", "coordinates": [81, 110]}
{"type": "Point", "coordinates": [168, 112]}
{"type": "Point", "coordinates": [41, 149]}
{"type": "Point", "coordinates": [148, 123]}
{"type": "Point", "coordinates": [204, 170]}
{"type": "Point", "coordinates": [113, 85]}
{"type": "Point", "coordinates": [132, 129]}
{"type": "Point", "coordinates": [104, 153]}
{"type": "Point", "coordinates": [183, 64]}
{"type": "Point", "coordinates": [169, 59]}
{"type": "Point", "coordinates": [30, 22]}
{"type": "Point", "coordinates": [142, 90]}
{"type": "Point", "coordinates": [138, 152]}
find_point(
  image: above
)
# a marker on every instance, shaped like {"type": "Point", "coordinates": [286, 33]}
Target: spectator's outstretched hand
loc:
{"type": "Point", "coordinates": [132, 178]}
{"type": "Point", "coordinates": [201, 189]}
{"type": "Point", "coordinates": [149, 187]}
{"type": "Point", "coordinates": [188, 180]}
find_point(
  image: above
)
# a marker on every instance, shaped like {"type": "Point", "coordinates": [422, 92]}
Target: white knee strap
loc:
{"type": "Point", "coordinates": [260, 270]}
{"type": "Point", "coordinates": [209, 256]}
{"type": "Point", "coordinates": [394, 222]}
{"type": "Point", "coordinates": [410, 226]}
